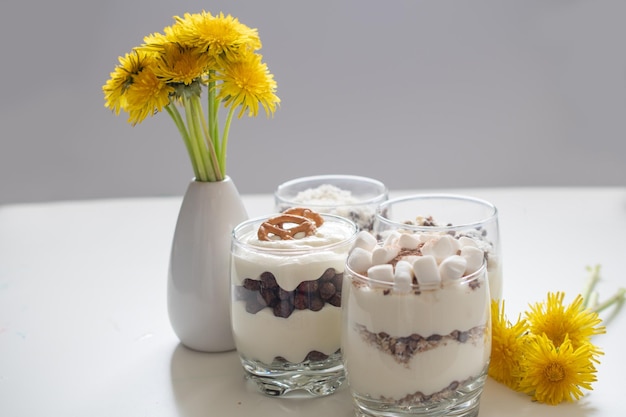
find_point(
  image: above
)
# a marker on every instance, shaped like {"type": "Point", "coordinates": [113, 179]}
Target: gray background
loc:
{"type": "Point", "coordinates": [419, 94]}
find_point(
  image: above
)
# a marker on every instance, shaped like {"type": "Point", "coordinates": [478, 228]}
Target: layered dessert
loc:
{"type": "Point", "coordinates": [417, 323]}
{"type": "Point", "coordinates": [287, 278]}
{"type": "Point", "coordinates": [334, 200]}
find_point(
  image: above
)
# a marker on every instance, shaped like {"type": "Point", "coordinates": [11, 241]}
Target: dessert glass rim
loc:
{"type": "Point", "coordinates": [292, 251]}
{"type": "Point", "coordinates": [382, 196]}
{"type": "Point", "coordinates": [430, 287]}
{"type": "Point", "coordinates": [384, 206]}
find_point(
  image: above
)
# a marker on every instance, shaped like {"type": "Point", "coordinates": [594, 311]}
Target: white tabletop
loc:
{"type": "Point", "coordinates": [84, 329]}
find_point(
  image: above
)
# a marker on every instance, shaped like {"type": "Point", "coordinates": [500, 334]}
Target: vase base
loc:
{"type": "Point", "coordinates": [206, 349]}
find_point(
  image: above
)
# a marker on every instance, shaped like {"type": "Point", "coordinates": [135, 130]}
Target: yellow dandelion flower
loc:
{"type": "Point", "coordinates": [247, 82]}
{"type": "Point", "coordinates": [217, 35]}
{"type": "Point", "coordinates": [554, 374]}
{"type": "Point", "coordinates": [178, 64]}
{"type": "Point", "coordinates": [114, 90]}
{"type": "Point", "coordinates": [154, 42]}
{"type": "Point", "coordinates": [557, 321]}
{"type": "Point", "coordinates": [506, 346]}
{"type": "Point", "coordinates": [146, 96]}
{"type": "Point", "coordinates": [122, 78]}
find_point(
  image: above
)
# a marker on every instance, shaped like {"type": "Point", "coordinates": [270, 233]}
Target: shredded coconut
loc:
{"type": "Point", "coordinates": [325, 194]}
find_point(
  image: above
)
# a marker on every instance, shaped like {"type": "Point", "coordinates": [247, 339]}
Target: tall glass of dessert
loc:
{"type": "Point", "coordinates": [459, 216]}
{"type": "Point", "coordinates": [286, 275]}
{"type": "Point", "coordinates": [416, 326]}
{"type": "Point", "coordinates": [351, 196]}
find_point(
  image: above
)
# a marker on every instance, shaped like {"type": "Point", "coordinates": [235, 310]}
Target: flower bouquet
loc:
{"type": "Point", "coordinates": [199, 53]}
{"type": "Point", "coordinates": [216, 56]}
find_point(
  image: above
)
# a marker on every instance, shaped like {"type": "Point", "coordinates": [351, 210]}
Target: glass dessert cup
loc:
{"type": "Point", "coordinates": [350, 196]}
{"type": "Point", "coordinates": [286, 307]}
{"type": "Point", "coordinates": [456, 215]}
{"type": "Point", "coordinates": [417, 351]}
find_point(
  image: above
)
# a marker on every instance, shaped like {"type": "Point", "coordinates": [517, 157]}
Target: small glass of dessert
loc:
{"type": "Point", "coordinates": [459, 216]}
{"type": "Point", "coordinates": [416, 334]}
{"type": "Point", "coordinates": [286, 280]}
{"type": "Point", "coordinates": [350, 196]}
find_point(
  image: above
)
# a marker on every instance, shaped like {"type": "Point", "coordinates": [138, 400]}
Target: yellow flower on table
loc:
{"type": "Point", "coordinates": [556, 373]}
{"type": "Point", "coordinates": [558, 322]}
{"type": "Point", "coordinates": [506, 346]}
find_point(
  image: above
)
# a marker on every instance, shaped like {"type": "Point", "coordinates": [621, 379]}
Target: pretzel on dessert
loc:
{"type": "Point", "coordinates": [276, 226]}
{"type": "Point", "coordinates": [305, 212]}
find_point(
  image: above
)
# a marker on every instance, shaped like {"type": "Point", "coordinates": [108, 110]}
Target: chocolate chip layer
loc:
{"type": "Point", "coordinates": [264, 292]}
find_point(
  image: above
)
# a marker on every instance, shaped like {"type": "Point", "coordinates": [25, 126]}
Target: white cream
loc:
{"type": "Point", "coordinates": [456, 307]}
{"type": "Point", "coordinates": [296, 260]}
{"type": "Point", "coordinates": [494, 271]}
{"type": "Point", "coordinates": [328, 233]}
{"type": "Point", "coordinates": [376, 374]}
{"type": "Point", "coordinates": [289, 272]}
{"type": "Point", "coordinates": [262, 336]}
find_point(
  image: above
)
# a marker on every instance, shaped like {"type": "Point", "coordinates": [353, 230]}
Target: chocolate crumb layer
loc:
{"type": "Point", "coordinates": [420, 399]}
{"type": "Point", "coordinates": [403, 348]}
{"type": "Point", "coordinates": [312, 356]}
{"type": "Point", "coordinates": [404, 252]}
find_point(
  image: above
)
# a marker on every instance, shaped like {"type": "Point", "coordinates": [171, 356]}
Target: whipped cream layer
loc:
{"type": "Point", "coordinates": [455, 307]}
{"type": "Point", "coordinates": [262, 336]}
{"type": "Point", "coordinates": [494, 271]}
{"type": "Point", "coordinates": [296, 260]}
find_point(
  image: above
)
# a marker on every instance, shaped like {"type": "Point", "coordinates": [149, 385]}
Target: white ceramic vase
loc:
{"type": "Point", "coordinates": [198, 287]}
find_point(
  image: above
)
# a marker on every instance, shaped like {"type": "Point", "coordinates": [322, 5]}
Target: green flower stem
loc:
{"type": "Point", "coordinates": [593, 280]}
{"type": "Point", "coordinates": [196, 145]}
{"type": "Point", "coordinates": [205, 129]}
{"type": "Point", "coordinates": [213, 113]}
{"type": "Point", "coordinates": [180, 124]}
{"type": "Point", "coordinates": [618, 298]}
{"type": "Point", "coordinates": [207, 143]}
{"type": "Point", "coordinates": [590, 297]}
{"type": "Point", "coordinates": [593, 300]}
{"type": "Point", "coordinates": [222, 157]}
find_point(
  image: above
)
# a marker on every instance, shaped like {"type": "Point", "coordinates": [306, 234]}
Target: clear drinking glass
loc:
{"type": "Point", "coordinates": [349, 196]}
{"type": "Point", "coordinates": [456, 215]}
{"type": "Point", "coordinates": [416, 349]}
{"type": "Point", "coordinates": [286, 306]}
